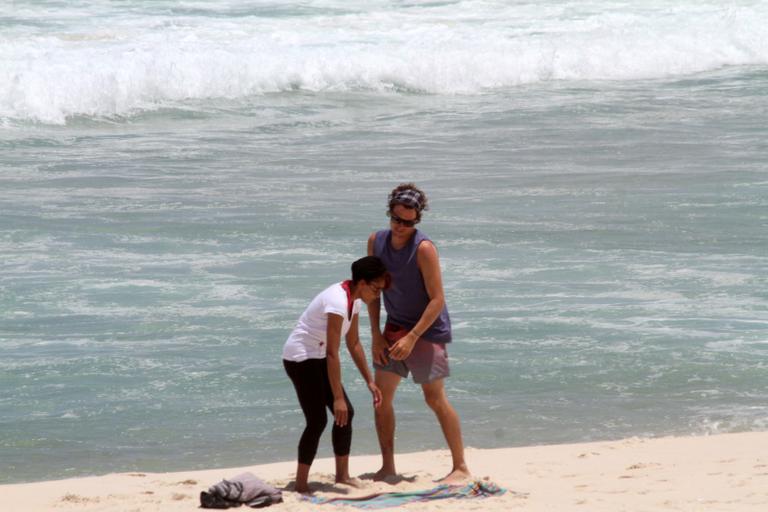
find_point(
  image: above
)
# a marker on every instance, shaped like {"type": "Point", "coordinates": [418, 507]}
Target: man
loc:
{"type": "Point", "coordinates": [417, 328]}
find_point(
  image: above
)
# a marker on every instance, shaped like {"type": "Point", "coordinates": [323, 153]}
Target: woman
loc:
{"type": "Point", "coordinates": [311, 359]}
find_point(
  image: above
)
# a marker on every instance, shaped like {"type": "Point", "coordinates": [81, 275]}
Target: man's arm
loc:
{"type": "Point", "coordinates": [429, 266]}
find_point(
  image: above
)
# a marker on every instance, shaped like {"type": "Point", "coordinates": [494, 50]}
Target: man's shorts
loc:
{"type": "Point", "coordinates": [427, 361]}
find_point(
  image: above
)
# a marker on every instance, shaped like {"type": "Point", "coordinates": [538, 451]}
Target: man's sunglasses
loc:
{"type": "Point", "coordinates": [405, 223]}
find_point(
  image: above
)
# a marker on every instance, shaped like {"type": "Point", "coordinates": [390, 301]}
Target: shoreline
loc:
{"type": "Point", "coordinates": [717, 472]}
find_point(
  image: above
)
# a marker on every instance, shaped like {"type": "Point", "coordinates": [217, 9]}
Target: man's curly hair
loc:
{"type": "Point", "coordinates": [407, 186]}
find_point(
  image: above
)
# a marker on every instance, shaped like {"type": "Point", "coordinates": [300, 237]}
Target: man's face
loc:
{"type": "Point", "coordinates": [403, 219]}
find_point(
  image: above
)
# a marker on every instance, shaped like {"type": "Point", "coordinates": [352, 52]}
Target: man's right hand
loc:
{"type": "Point", "coordinates": [380, 349]}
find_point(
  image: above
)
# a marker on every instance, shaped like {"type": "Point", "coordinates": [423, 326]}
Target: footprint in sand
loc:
{"type": "Point", "coordinates": [75, 498]}
{"type": "Point", "coordinates": [643, 465]}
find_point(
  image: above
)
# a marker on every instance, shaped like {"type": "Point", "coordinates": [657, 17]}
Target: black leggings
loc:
{"type": "Point", "coordinates": [310, 378]}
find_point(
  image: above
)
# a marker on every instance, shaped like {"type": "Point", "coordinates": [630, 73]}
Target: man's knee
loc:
{"type": "Point", "coordinates": [385, 409]}
{"type": "Point", "coordinates": [387, 401]}
{"type": "Point", "coordinates": [437, 401]}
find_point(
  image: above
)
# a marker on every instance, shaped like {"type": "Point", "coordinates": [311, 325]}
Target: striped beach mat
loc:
{"type": "Point", "coordinates": [477, 489]}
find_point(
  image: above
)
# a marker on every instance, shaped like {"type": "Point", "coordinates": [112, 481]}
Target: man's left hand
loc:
{"type": "Point", "coordinates": [403, 347]}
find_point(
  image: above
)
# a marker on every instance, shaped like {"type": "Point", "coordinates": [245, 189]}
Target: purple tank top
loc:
{"type": "Point", "coordinates": [407, 298]}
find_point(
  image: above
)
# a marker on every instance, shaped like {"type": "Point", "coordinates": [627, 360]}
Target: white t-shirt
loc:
{"type": "Point", "coordinates": [307, 341]}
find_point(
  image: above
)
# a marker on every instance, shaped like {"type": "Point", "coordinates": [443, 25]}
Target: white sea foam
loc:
{"type": "Point", "coordinates": [132, 60]}
{"type": "Point", "coordinates": [713, 277]}
{"type": "Point", "coordinates": [731, 419]}
{"type": "Point", "coordinates": [139, 283]}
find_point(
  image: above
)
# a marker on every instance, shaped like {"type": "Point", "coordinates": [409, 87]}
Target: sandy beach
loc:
{"type": "Point", "coordinates": [723, 472]}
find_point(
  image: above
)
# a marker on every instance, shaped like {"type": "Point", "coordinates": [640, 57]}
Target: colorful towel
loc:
{"type": "Point", "coordinates": [477, 489]}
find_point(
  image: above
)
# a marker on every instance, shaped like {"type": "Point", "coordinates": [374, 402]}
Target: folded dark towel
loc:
{"type": "Point", "coordinates": [243, 489]}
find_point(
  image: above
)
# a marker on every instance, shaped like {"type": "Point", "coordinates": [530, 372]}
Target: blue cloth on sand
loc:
{"type": "Point", "coordinates": [475, 489]}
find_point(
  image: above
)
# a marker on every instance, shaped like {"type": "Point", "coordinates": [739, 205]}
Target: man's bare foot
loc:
{"type": "Point", "coordinates": [457, 476]}
{"type": "Point", "coordinates": [383, 474]}
{"type": "Point", "coordinates": [352, 482]}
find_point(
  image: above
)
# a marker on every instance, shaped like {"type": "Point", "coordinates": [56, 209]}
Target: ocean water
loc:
{"type": "Point", "coordinates": [179, 179]}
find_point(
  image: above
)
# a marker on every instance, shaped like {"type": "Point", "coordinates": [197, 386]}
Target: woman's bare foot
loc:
{"type": "Point", "coordinates": [301, 484]}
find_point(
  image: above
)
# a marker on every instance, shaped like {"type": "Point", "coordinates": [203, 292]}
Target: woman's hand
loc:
{"type": "Point", "coordinates": [379, 349]}
{"type": "Point", "coordinates": [376, 392]}
{"type": "Point", "coordinates": [340, 411]}
{"type": "Point", "coordinates": [403, 347]}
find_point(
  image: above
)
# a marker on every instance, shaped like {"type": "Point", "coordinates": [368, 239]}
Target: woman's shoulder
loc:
{"type": "Point", "coordinates": [335, 290]}
{"type": "Point", "coordinates": [335, 296]}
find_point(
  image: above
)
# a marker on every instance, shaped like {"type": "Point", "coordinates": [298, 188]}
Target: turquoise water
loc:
{"type": "Point", "coordinates": [177, 183]}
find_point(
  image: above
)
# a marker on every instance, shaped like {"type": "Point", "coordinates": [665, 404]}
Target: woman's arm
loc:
{"type": "Point", "coordinates": [358, 356]}
{"type": "Point", "coordinates": [378, 343]}
{"type": "Point", "coordinates": [333, 339]}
